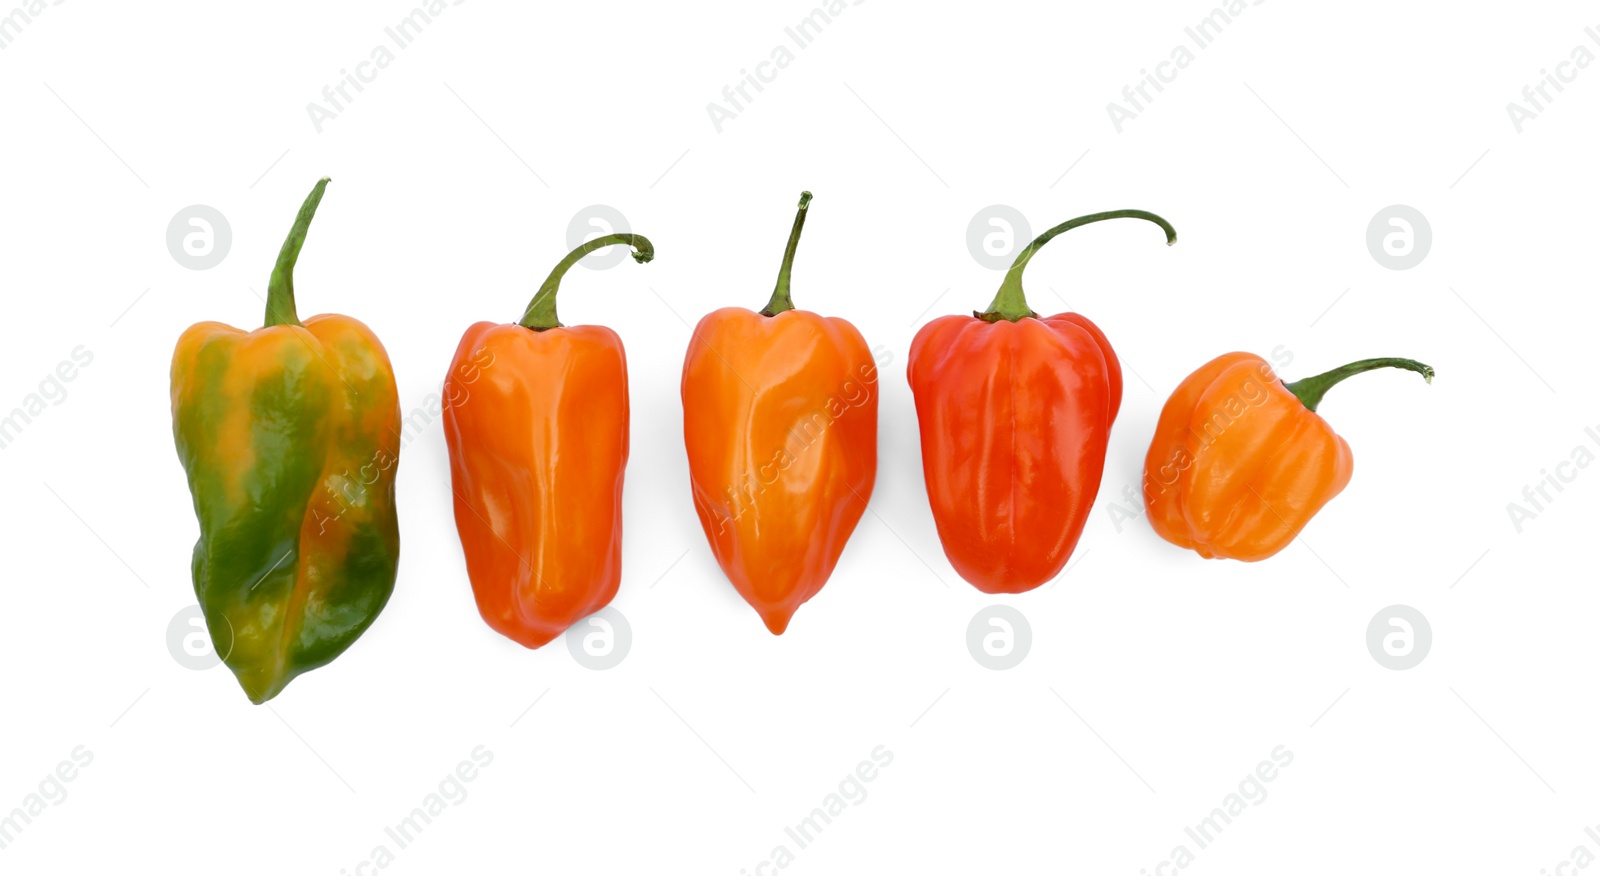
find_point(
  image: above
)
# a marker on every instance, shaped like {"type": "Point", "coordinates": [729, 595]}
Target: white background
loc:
{"type": "Point", "coordinates": [1156, 681]}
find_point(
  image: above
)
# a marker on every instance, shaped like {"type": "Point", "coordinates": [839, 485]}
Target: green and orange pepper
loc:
{"type": "Point", "coordinates": [290, 435]}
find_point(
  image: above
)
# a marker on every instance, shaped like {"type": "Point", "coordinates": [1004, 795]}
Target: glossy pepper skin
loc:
{"type": "Point", "coordinates": [536, 419]}
{"type": "Point", "coordinates": [1015, 411]}
{"type": "Point", "coordinates": [780, 420]}
{"type": "Point", "coordinates": [290, 437]}
{"type": "Point", "coordinates": [1241, 461]}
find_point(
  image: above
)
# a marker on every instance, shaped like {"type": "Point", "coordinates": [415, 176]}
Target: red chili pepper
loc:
{"type": "Point", "coordinates": [1015, 411]}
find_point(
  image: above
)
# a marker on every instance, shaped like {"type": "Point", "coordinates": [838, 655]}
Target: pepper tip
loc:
{"type": "Point", "coordinates": [805, 199]}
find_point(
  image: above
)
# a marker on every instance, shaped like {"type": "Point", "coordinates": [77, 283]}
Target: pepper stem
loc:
{"type": "Point", "coordinates": [541, 312]}
{"type": "Point", "coordinates": [280, 289]}
{"type": "Point", "coordinates": [1311, 389]}
{"type": "Point", "coordinates": [1010, 304]}
{"type": "Point", "coordinates": [780, 300]}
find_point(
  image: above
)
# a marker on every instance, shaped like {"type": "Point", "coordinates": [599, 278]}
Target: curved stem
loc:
{"type": "Point", "coordinates": [780, 300]}
{"type": "Point", "coordinates": [1311, 389]}
{"type": "Point", "coordinates": [1010, 304]}
{"type": "Point", "coordinates": [541, 312]}
{"type": "Point", "coordinates": [280, 289]}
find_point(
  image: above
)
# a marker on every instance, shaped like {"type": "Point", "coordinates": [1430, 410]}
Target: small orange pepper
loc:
{"type": "Point", "coordinates": [536, 418]}
{"type": "Point", "coordinates": [1241, 461]}
{"type": "Point", "coordinates": [780, 420]}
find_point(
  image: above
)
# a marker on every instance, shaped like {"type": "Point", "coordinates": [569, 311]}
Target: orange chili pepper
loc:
{"type": "Point", "coordinates": [780, 418]}
{"type": "Point", "coordinates": [1241, 461]}
{"type": "Point", "coordinates": [536, 417]}
{"type": "Point", "coordinates": [1015, 411]}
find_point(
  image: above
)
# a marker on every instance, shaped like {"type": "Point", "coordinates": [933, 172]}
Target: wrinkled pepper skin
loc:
{"type": "Point", "coordinates": [1241, 462]}
{"type": "Point", "coordinates": [1015, 418]}
{"type": "Point", "coordinates": [1015, 412]}
{"type": "Point", "coordinates": [536, 420]}
{"type": "Point", "coordinates": [537, 452]}
{"type": "Point", "coordinates": [290, 438]}
{"type": "Point", "coordinates": [780, 421]}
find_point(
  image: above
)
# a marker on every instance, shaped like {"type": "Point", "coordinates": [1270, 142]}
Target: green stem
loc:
{"type": "Point", "coordinates": [541, 312]}
{"type": "Point", "coordinates": [1010, 304]}
{"type": "Point", "coordinates": [1311, 389]}
{"type": "Point", "coordinates": [780, 300]}
{"type": "Point", "coordinates": [280, 289]}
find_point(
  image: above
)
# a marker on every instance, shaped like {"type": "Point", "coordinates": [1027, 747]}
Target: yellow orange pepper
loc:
{"type": "Point", "coordinates": [780, 419]}
{"type": "Point", "coordinates": [1241, 461]}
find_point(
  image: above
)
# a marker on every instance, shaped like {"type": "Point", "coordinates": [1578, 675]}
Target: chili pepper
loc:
{"type": "Point", "coordinates": [780, 419]}
{"type": "Point", "coordinates": [1015, 412]}
{"type": "Point", "coordinates": [537, 453]}
{"type": "Point", "coordinates": [1241, 461]}
{"type": "Point", "coordinates": [290, 435]}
